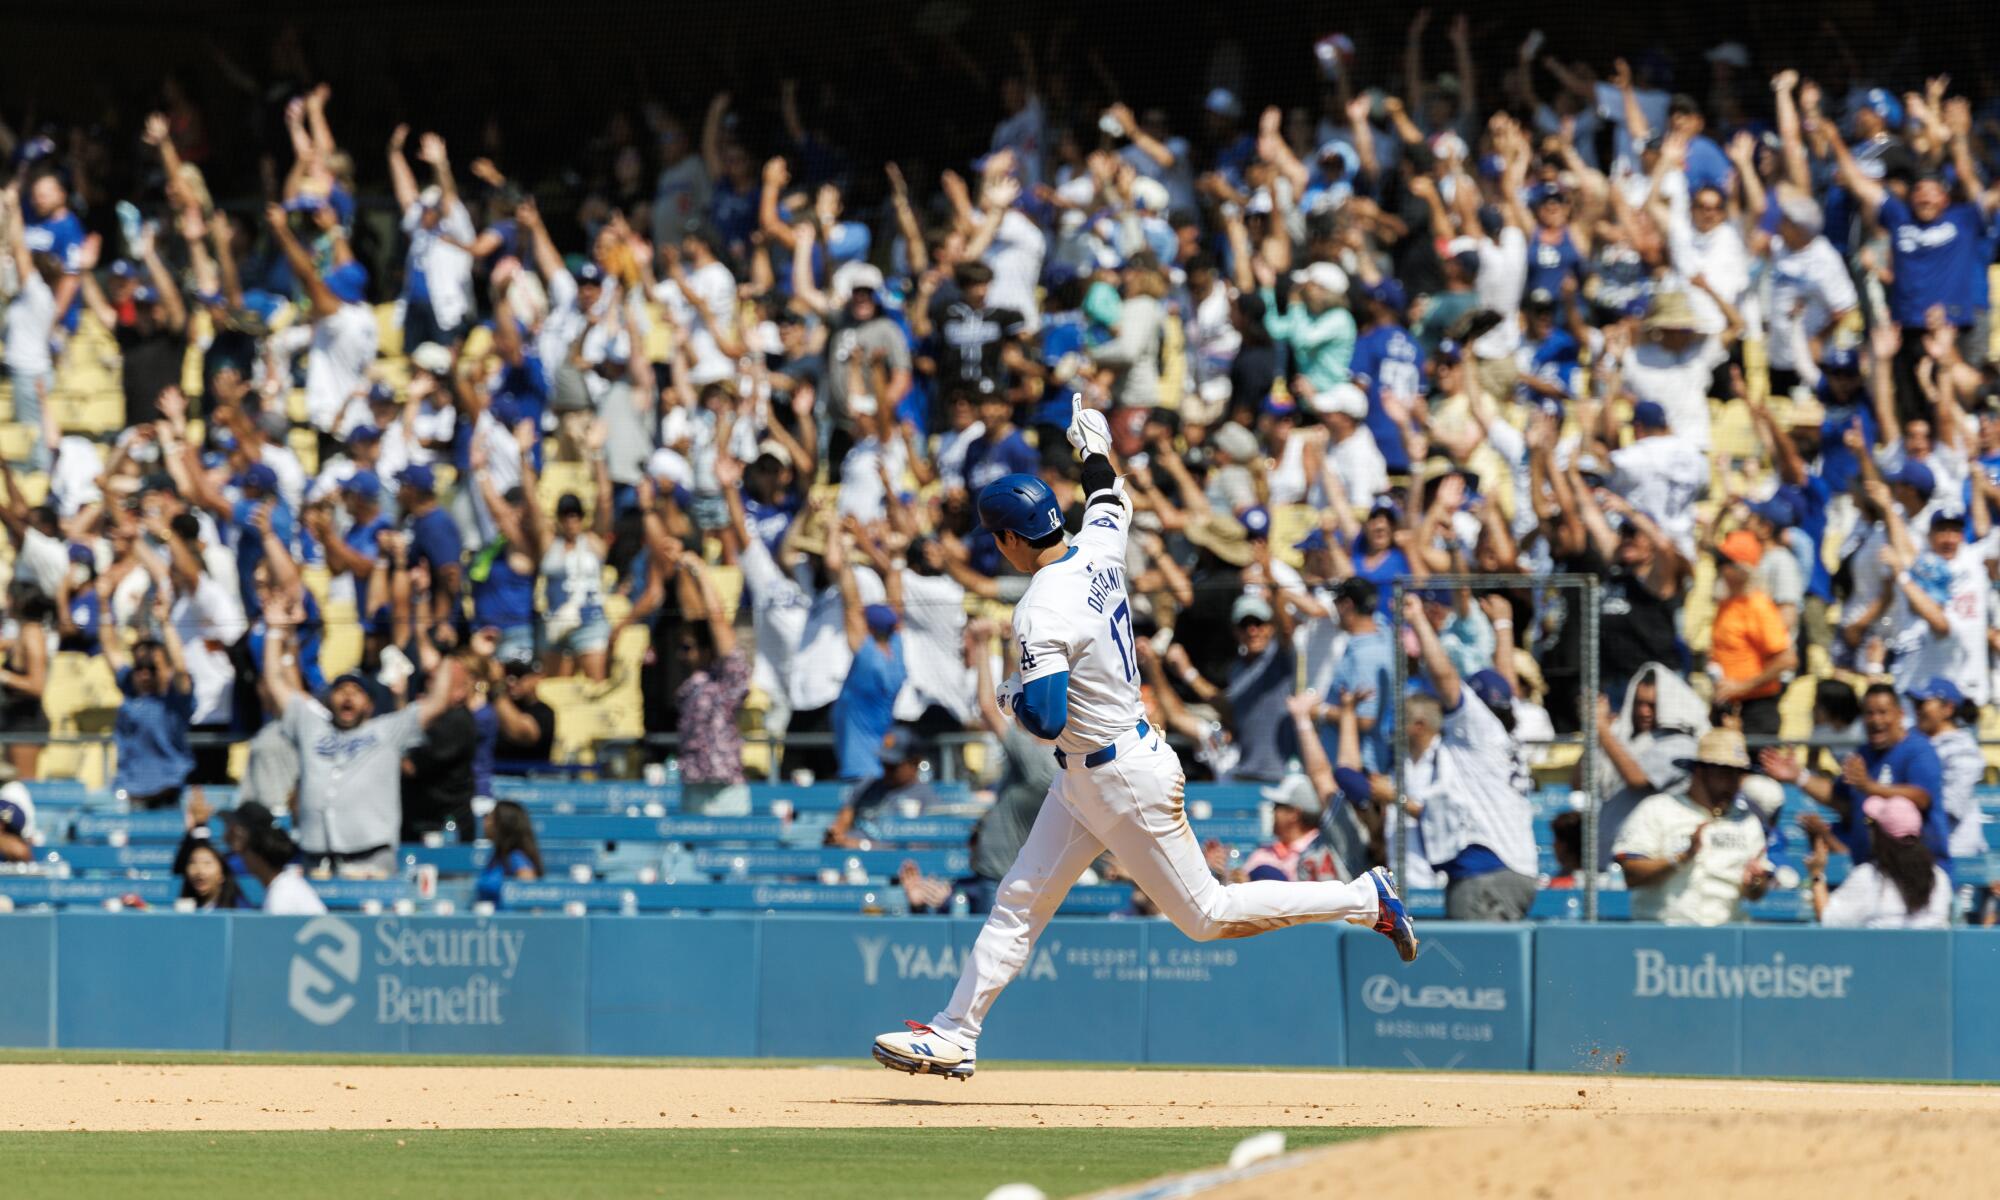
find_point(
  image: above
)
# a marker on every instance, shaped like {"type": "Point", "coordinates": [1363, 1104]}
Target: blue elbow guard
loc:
{"type": "Point", "coordinates": [1043, 706]}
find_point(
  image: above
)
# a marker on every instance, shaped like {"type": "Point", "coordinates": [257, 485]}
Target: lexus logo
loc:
{"type": "Point", "coordinates": [1382, 994]}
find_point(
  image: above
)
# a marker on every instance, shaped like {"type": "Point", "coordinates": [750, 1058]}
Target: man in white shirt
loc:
{"type": "Point", "coordinates": [437, 271]}
{"type": "Point", "coordinates": [31, 318]}
{"type": "Point", "coordinates": [1705, 245]}
{"type": "Point", "coordinates": [1661, 473]}
{"type": "Point", "coordinates": [1694, 859]}
{"type": "Point", "coordinates": [1503, 272]}
{"type": "Point", "coordinates": [1811, 291]}
{"type": "Point", "coordinates": [1674, 367]}
{"type": "Point", "coordinates": [1466, 778]}
{"type": "Point", "coordinates": [1940, 603]}
{"type": "Point", "coordinates": [939, 694]}
{"type": "Point", "coordinates": [343, 331]}
{"type": "Point", "coordinates": [702, 300]}
{"type": "Point", "coordinates": [1352, 453]}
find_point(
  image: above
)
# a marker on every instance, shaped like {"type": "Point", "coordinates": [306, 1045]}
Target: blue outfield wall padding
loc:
{"type": "Point", "coordinates": [131, 981]}
{"type": "Point", "coordinates": [671, 987]}
{"type": "Point", "coordinates": [1848, 1003]}
{"type": "Point", "coordinates": [1643, 998]}
{"type": "Point", "coordinates": [828, 985]}
{"type": "Point", "coordinates": [1268, 999]}
{"type": "Point", "coordinates": [1637, 998]}
{"type": "Point", "coordinates": [1975, 1005]}
{"type": "Point", "coordinates": [1081, 996]}
{"type": "Point", "coordinates": [1466, 1003]}
{"type": "Point", "coordinates": [28, 982]}
{"type": "Point", "coordinates": [440, 985]}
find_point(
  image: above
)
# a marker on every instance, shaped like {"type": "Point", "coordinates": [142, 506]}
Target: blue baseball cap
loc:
{"type": "Point", "coordinates": [363, 433]}
{"type": "Point", "coordinates": [1543, 193]}
{"type": "Point", "coordinates": [418, 476]}
{"type": "Point", "coordinates": [145, 294]}
{"type": "Point", "coordinates": [1777, 510]}
{"type": "Point", "coordinates": [1435, 595]}
{"type": "Point", "coordinates": [1647, 414]}
{"type": "Point", "coordinates": [897, 745]}
{"type": "Point", "coordinates": [348, 282]}
{"type": "Point", "coordinates": [381, 393]}
{"type": "Point", "coordinates": [1916, 475]}
{"type": "Point", "coordinates": [1256, 522]}
{"type": "Point", "coordinates": [1937, 687]}
{"type": "Point", "coordinates": [1316, 540]}
{"type": "Point", "coordinates": [589, 272]}
{"type": "Point", "coordinates": [364, 484]}
{"type": "Point", "coordinates": [1884, 104]}
{"type": "Point", "coordinates": [258, 476]}
{"type": "Point", "coordinates": [881, 618]}
{"type": "Point", "coordinates": [1449, 351]}
{"type": "Point", "coordinates": [1492, 690]}
{"type": "Point", "coordinates": [1840, 359]}
{"type": "Point", "coordinates": [1388, 293]}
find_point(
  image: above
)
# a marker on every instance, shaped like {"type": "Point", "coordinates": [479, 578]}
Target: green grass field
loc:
{"type": "Point", "coordinates": [767, 1164]}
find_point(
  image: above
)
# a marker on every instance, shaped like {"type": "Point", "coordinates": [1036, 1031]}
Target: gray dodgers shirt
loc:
{"type": "Point", "coordinates": [350, 783]}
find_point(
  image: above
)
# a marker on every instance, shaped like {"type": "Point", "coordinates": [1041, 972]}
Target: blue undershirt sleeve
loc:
{"type": "Point", "coordinates": [1043, 706]}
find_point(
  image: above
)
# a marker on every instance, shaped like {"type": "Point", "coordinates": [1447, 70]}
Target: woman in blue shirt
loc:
{"type": "Point", "coordinates": [1377, 558]}
{"type": "Point", "coordinates": [515, 855]}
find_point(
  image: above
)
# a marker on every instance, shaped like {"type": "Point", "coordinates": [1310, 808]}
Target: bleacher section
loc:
{"type": "Point", "coordinates": [625, 847]}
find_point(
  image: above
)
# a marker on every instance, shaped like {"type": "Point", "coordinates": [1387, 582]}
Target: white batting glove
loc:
{"type": "Point", "coordinates": [1007, 693]}
{"type": "Point", "coordinates": [1089, 432]}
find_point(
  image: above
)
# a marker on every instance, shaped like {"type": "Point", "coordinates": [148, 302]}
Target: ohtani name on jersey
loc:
{"type": "Point", "coordinates": [1102, 584]}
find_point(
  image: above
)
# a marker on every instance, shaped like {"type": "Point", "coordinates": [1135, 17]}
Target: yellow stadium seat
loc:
{"type": "Point", "coordinates": [728, 584]}
{"type": "Point", "coordinates": [388, 331]}
{"type": "Point", "coordinates": [17, 441]}
{"type": "Point", "coordinates": [340, 648]}
{"type": "Point", "coordinates": [6, 399]}
{"type": "Point", "coordinates": [295, 405]}
{"type": "Point", "coordinates": [305, 444]}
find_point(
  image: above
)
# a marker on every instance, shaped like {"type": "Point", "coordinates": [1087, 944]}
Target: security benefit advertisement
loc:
{"type": "Point", "coordinates": [501, 985]}
{"type": "Point", "coordinates": [1467, 1001]}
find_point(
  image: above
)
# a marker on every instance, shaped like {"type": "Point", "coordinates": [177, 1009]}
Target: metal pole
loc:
{"type": "Point", "coordinates": [1588, 705]}
{"type": "Point", "coordinates": [1401, 738]}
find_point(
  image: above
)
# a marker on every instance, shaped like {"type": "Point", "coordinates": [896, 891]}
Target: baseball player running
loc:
{"type": "Point", "coordinates": [1119, 787]}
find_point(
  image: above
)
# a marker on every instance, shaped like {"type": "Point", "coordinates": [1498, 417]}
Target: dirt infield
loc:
{"type": "Point", "coordinates": [1571, 1112]}
{"type": "Point", "coordinates": [1924, 1153]}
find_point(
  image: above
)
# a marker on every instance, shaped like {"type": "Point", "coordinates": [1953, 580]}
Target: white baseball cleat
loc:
{"type": "Point", "coordinates": [921, 1050]}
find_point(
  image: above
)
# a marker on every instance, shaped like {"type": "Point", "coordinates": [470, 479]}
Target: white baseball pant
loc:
{"type": "Point", "coordinates": [1131, 806]}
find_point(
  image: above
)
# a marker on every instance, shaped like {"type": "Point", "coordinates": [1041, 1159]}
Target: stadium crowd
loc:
{"type": "Point", "coordinates": [1708, 332]}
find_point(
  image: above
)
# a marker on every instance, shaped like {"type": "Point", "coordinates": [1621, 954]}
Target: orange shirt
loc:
{"type": "Point", "coordinates": [1748, 634]}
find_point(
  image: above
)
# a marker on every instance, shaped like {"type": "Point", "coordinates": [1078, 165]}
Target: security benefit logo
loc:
{"type": "Point", "coordinates": [437, 975]}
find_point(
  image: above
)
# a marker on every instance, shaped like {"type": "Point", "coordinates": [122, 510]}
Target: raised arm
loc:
{"type": "Point", "coordinates": [1869, 191]}
{"type": "Point", "coordinates": [401, 178]}
{"type": "Point", "coordinates": [853, 619]}
{"type": "Point", "coordinates": [721, 631]}
{"type": "Point", "coordinates": [324, 302]}
{"type": "Point", "coordinates": [1797, 172]}
{"type": "Point", "coordinates": [1436, 663]}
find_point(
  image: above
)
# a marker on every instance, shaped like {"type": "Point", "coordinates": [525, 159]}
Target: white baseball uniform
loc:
{"type": "Point", "coordinates": [1075, 617]}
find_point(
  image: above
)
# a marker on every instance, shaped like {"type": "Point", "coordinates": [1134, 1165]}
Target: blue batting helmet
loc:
{"type": "Point", "coordinates": [1020, 504]}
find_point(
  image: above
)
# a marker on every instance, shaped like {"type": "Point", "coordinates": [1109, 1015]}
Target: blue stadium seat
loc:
{"type": "Point", "coordinates": [27, 890]}
{"type": "Point", "coordinates": [951, 863]}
